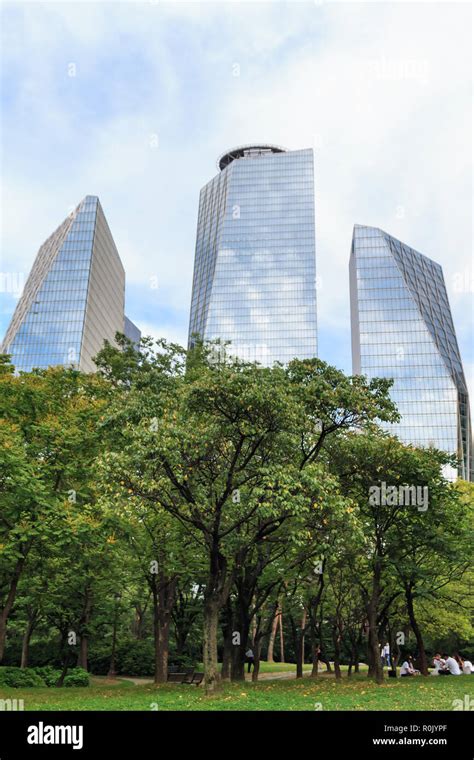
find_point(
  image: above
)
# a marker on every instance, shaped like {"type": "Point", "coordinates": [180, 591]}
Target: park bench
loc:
{"type": "Point", "coordinates": [176, 677]}
{"type": "Point", "coordinates": [188, 676]}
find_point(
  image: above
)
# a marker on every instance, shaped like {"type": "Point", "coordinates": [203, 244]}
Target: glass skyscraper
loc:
{"type": "Point", "coordinates": [73, 298]}
{"type": "Point", "coordinates": [254, 272]}
{"type": "Point", "coordinates": [402, 328]}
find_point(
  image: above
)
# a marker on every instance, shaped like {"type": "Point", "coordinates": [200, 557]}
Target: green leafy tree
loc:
{"type": "Point", "coordinates": [389, 482]}
{"type": "Point", "coordinates": [50, 441]}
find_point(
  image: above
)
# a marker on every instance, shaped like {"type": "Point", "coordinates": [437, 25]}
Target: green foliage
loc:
{"type": "Point", "coordinates": [77, 677]}
{"type": "Point", "coordinates": [136, 658]}
{"type": "Point", "coordinates": [49, 674]}
{"type": "Point", "coordinates": [20, 677]}
{"type": "Point", "coordinates": [49, 440]}
{"type": "Point", "coordinates": [232, 481]}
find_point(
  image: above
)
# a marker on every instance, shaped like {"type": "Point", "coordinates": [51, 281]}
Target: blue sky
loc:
{"type": "Point", "coordinates": [381, 91]}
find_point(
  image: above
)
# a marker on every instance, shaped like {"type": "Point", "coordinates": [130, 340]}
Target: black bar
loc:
{"type": "Point", "coordinates": [238, 734]}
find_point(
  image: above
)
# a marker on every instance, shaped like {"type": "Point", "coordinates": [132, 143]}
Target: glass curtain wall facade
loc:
{"type": "Point", "coordinates": [255, 273]}
{"type": "Point", "coordinates": [402, 328]}
{"type": "Point", "coordinates": [131, 331]}
{"type": "Point", "coordinates": [73, 298]}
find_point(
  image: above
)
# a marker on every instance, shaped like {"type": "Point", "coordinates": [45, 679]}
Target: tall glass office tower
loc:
{"type": "Point", "coordinates": [73, 298]}
{"type": "Point", "coordinates": [254, 271]}
{"type": "Point", "coordinates": [402, 328]}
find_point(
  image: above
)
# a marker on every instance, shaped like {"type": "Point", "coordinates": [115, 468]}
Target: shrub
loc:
{"type": "Point", "coordinates": [49, 674]}
{"type": "Point", "coordinates": [99, 660]}
{"type": "Point", "coordinates": [77, 677]}
{"type": "Point", "coordinates": [181, 662]}
{"type": "Point", "coordinates": [42, 676]}
{"type": "Point", "coordinates": [136, 658]}
{"type": "Point", "coordinates": [20, 677]}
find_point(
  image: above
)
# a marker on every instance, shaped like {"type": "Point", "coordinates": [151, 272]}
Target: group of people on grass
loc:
{"type": "Point", "coordinates": [451, 665]}
{"type": "Point", "coordinates": [446, 665]}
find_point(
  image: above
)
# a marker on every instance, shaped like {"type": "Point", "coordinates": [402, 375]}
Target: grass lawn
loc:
{"type": "Point", "coordinates": [356, 693]}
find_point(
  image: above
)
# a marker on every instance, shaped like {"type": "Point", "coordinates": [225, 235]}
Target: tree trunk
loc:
{"type": "Point", "coordinates": [416, 630]}
{"type": "Point", "coordinates": [226, 667]}
{"type": "Point", "coordinates": [300, 647]}
{"type": "Point", "coordinates": [315, 648]}
{"type": "Point", "coordinates": [161, 636]}
{"type": "Point", "coordinates": [7, 608]}
{"type": "Point", "coordinates": [164, 595]}
{"type": "Point", "coordinates": [238, 652]}
{"type": "Point", "coordinates": [372, 600]}
{"type": "Point", "coordinates": [242, 621]}
{"type": "Point", "coordinates": [322, 652]}
{"type": "Point", "coordinates": [25, 648]}
{"type": "Point", "coordinates": [65, 658]}
{"type": "Point", "coordinates": [112, 667]}
{"type": "Point", "coordinates": [337, 652]}
{"type": "Point", "coordinates": [356, 642]}
{"type": "Point", "coordinates": [375, 663]}
{"type": "Point", "coordinates": [211, 621]}
{"type": "Point", "coordinates": [64, 671]}
{"type": "Point", "coordinates": [282, 641]}
{"type": "Point", "coordinates": [354, 661]}
{"type": "Point", "coordinates": [3, 635]}
{"type": "Point", "coordinates": [83, 652]}
{"type": "Point", "coordinates": [139, 622]}
{"type": "Point", "coordinates": [84, 633]}
{"type": "Point", "coordinates": [256, 663]}
{"type": "Point", "coordinates": [273, 632]}
{"type": "Point", "coordinates": [227, 633]}
{"type": "Point", "coordinates": [216, 594]}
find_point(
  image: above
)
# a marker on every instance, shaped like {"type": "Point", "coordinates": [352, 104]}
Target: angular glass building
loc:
{"type": "Point", "coordinates": [131, 331]}
{"type": "Point", "coordinates": [402, 328]}
{"type": "Point", "coordinates": [254, 272]}
{"type": "Point", "coordinates": [73, 298]}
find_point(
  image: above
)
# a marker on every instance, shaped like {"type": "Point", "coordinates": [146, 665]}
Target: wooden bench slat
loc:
{"type": "Point", "coordinates": [189, 676]}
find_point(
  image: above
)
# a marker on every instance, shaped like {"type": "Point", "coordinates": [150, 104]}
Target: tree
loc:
{"type": "Point", "coordinates": [157, 551]}
{"type": "Point", "coordinates": [434, 546]}
{"type": "Point", "coordinates": [24, 508]}
{"type": "Point", "coordinates": [213, 450]}
{"type": "Point", "coordinates": [389, 482]}
{"type": "Point", "coordinates": [221, 446]}
{"type": "Point", "coordinates": [50, 440]}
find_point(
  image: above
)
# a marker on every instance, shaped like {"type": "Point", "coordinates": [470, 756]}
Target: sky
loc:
{"type": "Point", "coordinates": [134, 102]}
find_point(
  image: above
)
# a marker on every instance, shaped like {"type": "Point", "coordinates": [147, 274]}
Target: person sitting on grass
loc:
{"type": "Point", "coordinates": [438, 663]}
{"type": "Point", "coordinates": [451, 667]}
{"type": "Point", "coordinates": [408, 669]}
{"type": "Point", "coordinates": [465, 665]}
